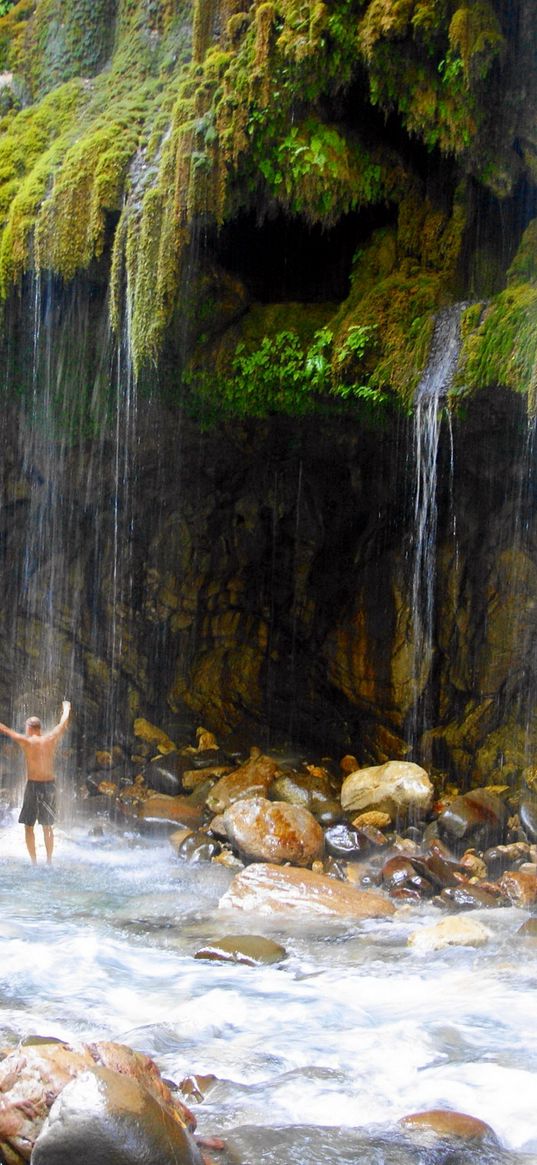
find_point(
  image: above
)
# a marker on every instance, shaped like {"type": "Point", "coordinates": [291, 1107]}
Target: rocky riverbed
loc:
{"type": "Point", "coordinates": [296, 842]}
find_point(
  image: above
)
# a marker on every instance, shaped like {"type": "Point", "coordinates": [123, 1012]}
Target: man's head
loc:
{"type": "Point", "coordinates": [33, 726]}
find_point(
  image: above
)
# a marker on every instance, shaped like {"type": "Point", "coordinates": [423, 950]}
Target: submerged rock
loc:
{"type": "Point", "coordinates": [442, 1122]}
{"type": "Point", "coordinates": [273, 889]}
{"type": "Point", "coordinates": [457, 930]}
{"type": "Point", "coordinates": [111, 1119]}
{"type": "Point", "coordinates": [252, 949]}
{"type": "Point", "coordinates": [274, 831]}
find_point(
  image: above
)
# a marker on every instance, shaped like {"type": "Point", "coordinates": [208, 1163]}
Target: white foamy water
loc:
{"type": "Point", "coordinates": [352, 1031]}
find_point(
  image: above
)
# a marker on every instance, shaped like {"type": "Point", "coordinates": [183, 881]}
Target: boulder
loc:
{"type": "Point", "coordinates": [343, 842]}
{"type": "Point", "coordinates": [469, 897]}
{"type": "Point", "coordinates": [111, 1119]}
{"type": "Point", "coordinates": [478, 818]}
{"type": "Point", "coordinates": [252, 779]}
{"type": "Point", "coordinates": [395, 787]}
{"type": "Point", "coordinates": [193, 778]}
{"type": "Point", "coordinates": [34, 1075]}
{"type": "Point", "coordinates": [273, 831]}
{"type": "Point", "coordinates": [270, 889]}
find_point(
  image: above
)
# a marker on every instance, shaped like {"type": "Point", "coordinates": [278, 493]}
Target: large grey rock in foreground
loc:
{"type": "Point", "coordinates": [105, 1118]}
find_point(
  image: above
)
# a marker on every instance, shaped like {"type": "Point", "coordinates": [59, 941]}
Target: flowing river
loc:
{"type": "Point", "coordinates": [316, 1058]}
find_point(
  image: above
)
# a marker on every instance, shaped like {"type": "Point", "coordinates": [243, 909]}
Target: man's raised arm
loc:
{"type": "Point", "coordinates": [11, 733]}
{"type": "Point", "coordinates": [64, 720]}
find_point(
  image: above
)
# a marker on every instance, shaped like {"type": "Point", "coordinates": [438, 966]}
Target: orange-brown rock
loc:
{"type": "Point", "coordinates": [374, 818]}
{"type": "Point", "coordinates": [251, 949]}
{"type": "Point", "coordinates": [161, 807]}
{"type": "Point", "coordinates": [193, 777]}
{"type": "Point", "coordinates": [444, 1123]}
{"type": "Point", "coordinates": [252, 779]}
{"type": "Point", "coordinates": [270, 889]}
{"type": "Point", "coordinates": [519, 887]}
{"type": "Point", "coordinates": [273, 831]}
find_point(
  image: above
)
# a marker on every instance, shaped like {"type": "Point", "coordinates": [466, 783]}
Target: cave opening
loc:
{"type": "Point", "coordinates": [284, 258]}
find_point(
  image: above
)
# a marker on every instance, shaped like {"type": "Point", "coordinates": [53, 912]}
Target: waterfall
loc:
{"type": "Point", "coordinates": [429, 404]}
{"type": "Point", "coordinates": [69, 529]}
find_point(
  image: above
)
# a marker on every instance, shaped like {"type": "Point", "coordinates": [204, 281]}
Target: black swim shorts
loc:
{"type": "Point", "coordinates": [39, 803]}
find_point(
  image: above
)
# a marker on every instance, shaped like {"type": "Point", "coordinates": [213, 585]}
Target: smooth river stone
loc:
{"type": "Point", "coordinates": [274, 831]}
{"type": "Point", "coordinates": [252, 949]}
{"type": "Point", "coordinates": [445, 1123]}
{"type": "Point", "coordinates": [105, 1118]}
{"type": "Point", "coordinates": [478, 817]}
{"type": "Point", "coordinates": [272, 889]}
{"type": "Point", "coordinates": [160, 807]}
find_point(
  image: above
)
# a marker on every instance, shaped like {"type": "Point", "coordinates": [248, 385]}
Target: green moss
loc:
{"type": "Point", "coordinates": [524, 266]}
{"type": "Point", "coordinates": [476, 37]}
{"type": "Point", "coordinates": [174, 116]}
{"type": "Point", "coordinates": [432, 68]}
{"type": "Point", "coordinates": [503, 349]}
{"type": "Point", "coordinates": [30, 148]}
{"type": "Point", "coordinates": [66, 41]}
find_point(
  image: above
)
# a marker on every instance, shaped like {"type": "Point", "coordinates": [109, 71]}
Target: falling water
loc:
{"type": "Point", "coordinates": [430, 398]}
{"type": "Point", "coordinates": [69, 536]}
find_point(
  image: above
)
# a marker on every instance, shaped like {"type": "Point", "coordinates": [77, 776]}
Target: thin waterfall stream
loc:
{"type": "Point", "coordinates": [429, 405]}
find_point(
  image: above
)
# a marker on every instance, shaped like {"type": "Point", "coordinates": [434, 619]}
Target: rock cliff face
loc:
{"type": "Point", "coordinates": [257, 578]}
{"type": "Point", "coordinates": [226, 229]}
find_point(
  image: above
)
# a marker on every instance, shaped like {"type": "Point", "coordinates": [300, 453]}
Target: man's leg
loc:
{"type": "Point", "coordinates": [48, 834]}
{"type": "Point", "coordinates": [29, 837]}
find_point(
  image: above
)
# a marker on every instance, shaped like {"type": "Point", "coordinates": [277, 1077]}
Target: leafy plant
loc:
{"type": "Point", "coordinates": [283, 376]}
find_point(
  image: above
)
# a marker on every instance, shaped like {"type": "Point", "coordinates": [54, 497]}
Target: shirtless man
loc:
{"type": "Point", "coordinates": [40, 794]}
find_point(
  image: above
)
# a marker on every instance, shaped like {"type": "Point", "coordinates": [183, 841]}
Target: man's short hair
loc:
{"type": "Point", "coordinates": [33, 722]}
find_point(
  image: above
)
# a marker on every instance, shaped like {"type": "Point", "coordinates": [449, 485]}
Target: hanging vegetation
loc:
{"type": "Point", "coordinates": [130, 130]}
